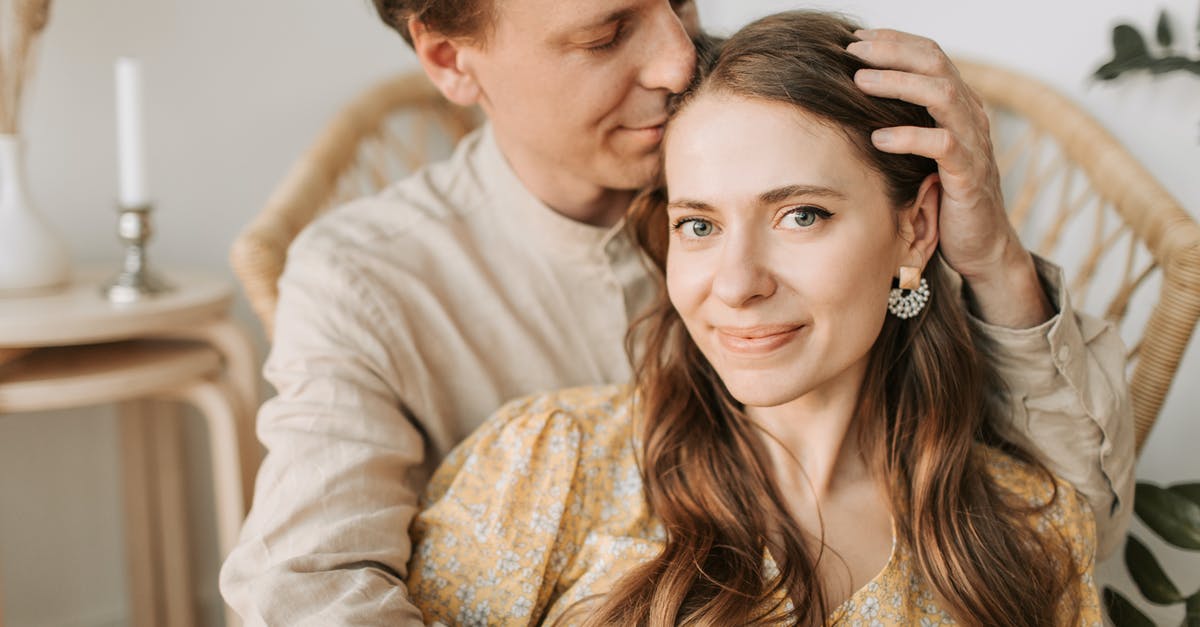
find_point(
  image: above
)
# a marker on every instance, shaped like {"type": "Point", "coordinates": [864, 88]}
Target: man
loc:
{"type": "Point", "coordinates": [406, 318]}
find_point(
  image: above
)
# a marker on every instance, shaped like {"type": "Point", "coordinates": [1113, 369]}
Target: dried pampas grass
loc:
{"type": "Point", "coordinates": [21, 23]}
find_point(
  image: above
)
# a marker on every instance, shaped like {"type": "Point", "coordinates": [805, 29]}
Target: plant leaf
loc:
{"type": "Point", "coordinates": [1148, 575]}
{"type": "Point", "coordinates": [1169, 64]}
{"type": "Point", "coordinates": [1190, 491]}
{"type": "Point", "coordinates": [1191, 616]}
{"type": "Point", "coordinates": [1128, 43]}
{"type": "Point", "coordinates": [1122, 612]}
{"type": "Point", "coordinates": [1163, 31]}
{"type": "Point", "coordinates": [1109, 71]}
{"type": "Point", "coordinates": [1174, 518]}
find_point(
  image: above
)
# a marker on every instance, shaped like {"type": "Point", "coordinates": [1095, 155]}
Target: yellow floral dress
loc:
{"type": "Point", "coordinates": [542, 507]}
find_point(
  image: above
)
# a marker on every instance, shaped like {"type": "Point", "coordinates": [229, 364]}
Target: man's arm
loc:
{"type": "Point", "coordinates": [1066, 370]}
{"type": "Point", "coordinates": [326, 541]}
{"type": "Point", "coordinates": [1068, 403]}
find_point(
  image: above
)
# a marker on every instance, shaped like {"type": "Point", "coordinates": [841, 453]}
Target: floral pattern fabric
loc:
{"type": "Point", "coordinates": [542, 508]}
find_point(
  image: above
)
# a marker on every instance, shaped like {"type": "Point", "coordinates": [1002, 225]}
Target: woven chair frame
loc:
{"type": "Point", "coordinates": [1151, 234]}
{"type": "Point", "coordinates": [1093, 172]}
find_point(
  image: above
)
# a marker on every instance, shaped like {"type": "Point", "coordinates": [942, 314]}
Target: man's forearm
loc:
{"type": "Point", "coordinates": [1012, 295]}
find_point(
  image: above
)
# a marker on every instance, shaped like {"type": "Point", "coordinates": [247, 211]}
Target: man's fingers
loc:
{"type": "Point", "coordinates": [935, 143]}
{"type": "Point", "coordinates": [951, 103]}
{"type": "Point", "coordinates": [901, 51]}
{"type": "Point", "coordinates": [934, 93]}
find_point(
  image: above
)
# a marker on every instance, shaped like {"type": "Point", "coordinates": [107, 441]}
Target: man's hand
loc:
{"type": "Point", "coordinates": [977, 239]}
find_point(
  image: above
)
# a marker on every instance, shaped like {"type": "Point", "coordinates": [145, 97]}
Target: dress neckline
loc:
{"type": "Point", "coordinates": [880, 578]}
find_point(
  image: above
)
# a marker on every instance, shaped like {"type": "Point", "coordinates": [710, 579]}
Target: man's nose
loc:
{"type": "Point", "coordinates": [669, 64]}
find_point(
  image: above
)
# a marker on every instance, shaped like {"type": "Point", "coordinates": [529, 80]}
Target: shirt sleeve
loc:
{"type": "Point", "coordinates": [1066, 400]}
{"type": "Point", "coordinates": [488, 547]}
{"type": "Point", "coordinates": [326, 542]}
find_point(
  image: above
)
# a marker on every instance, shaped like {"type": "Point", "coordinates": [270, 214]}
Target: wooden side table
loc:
{"type": "Point", "coordinates": [180, 346]}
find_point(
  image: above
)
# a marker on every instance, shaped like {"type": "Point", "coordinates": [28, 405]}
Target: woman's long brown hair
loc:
{"type": "Point", "coordinates": [921, 410]}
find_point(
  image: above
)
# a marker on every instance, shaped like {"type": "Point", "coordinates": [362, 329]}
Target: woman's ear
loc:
{"type": "Point", "coordinates": [919, 224]}
{"type": "Point", "coordinates": [445, 62]}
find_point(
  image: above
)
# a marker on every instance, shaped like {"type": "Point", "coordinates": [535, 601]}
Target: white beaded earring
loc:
{"type": "Point", "coordinates": [911, 297]}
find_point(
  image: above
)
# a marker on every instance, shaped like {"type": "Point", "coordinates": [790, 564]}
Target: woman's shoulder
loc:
{"type": "Point", "coordinates": [596, 412]}
{"type": "Point", "coordinates": [507, 513]}
{"type": "Point", "coordinates": [1021, 478]}
{"type": "Point", "coordinates": [1052, 500]}
{"type": "Point", "coordinates": [560, 429]}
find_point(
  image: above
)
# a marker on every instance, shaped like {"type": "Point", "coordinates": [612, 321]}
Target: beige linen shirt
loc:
{"type": "Point", "coordinates": [405, 319]}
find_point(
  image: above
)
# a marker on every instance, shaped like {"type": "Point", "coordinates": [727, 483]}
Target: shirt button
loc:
{"type": "Point", "coordinates": [1064, 353]}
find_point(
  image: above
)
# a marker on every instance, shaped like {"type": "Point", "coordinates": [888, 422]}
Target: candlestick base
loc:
{"type": "Point", "coordinates": [136, 282]}
{"type": "Point", "coordinates": [127, 289]}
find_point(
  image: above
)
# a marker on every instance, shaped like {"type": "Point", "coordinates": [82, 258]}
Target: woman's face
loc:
{"type": "Point", "coordinates": [783, 246]}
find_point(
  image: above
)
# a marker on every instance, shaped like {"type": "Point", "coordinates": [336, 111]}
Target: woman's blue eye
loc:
{"type": "Point", "coordinates": [804, 217]}
{"type": "Point", "coordinates": [699, 228]}
{"type": "Point", "coordinates": [693, 227]}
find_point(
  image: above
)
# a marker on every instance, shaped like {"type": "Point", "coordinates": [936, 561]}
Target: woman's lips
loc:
{"type": "Point", "coordinates": [756, 340]}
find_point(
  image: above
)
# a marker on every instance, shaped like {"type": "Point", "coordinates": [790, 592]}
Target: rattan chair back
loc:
{"type": "Point", "coordinates": [1131, 252]}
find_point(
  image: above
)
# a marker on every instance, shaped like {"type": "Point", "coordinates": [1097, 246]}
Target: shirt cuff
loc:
{"type": "Point", "coordinates": [1030, 359]}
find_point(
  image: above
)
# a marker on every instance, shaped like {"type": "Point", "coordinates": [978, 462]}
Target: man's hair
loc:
{"type": "Point", "coordinates": [449, 17]}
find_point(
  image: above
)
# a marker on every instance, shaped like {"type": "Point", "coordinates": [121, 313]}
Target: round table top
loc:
{"type": "Point", "coordinates": [79, 313]}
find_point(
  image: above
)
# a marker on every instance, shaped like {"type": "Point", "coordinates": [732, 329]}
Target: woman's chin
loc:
{"type": "Point", "coordinates": [762, 393]}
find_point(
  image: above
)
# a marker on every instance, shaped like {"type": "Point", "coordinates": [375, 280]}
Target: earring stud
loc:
{"type": "Point", "coordinates": [911, 296]}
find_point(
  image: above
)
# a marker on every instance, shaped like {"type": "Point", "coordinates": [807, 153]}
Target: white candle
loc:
{"type": "Point", "coordinates": [131, 138]}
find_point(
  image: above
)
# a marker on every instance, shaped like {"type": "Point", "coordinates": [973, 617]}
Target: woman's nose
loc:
{"type": "Point", "coordinates": [741, 276]}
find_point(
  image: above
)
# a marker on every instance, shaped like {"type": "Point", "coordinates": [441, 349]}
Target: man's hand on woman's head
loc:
{"type": "Point", "coordinates": [977, 239]}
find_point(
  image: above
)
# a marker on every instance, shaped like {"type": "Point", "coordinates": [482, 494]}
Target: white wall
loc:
{"type": "Point", "coordinates": [235, 90]}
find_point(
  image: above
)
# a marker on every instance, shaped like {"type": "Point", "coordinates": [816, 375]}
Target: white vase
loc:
{"type": "Point", "coordinates": [33, 257]}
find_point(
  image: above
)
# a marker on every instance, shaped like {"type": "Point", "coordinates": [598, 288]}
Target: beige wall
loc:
{"type": "Point", "coordinates": [235, 90]}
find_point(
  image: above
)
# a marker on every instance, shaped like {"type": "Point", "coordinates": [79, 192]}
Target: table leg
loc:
{"type": "Point", "coordinates": [241, 366]}
{"type": "Point", "coordinates": [141, 546]}
{"type": "Point", "coordinates": [219, 404]}
{"type": "Point", "coordinates": [171, 479]}
{"type": "Point", "coordinates": [235, 345]}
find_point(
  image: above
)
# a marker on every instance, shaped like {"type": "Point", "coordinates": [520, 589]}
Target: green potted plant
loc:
{"type": "Point", "coordinates": [1172, 513]}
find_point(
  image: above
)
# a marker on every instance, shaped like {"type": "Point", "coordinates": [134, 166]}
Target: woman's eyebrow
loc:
{"type": "Point", "coordinates": [769, 197]}
{"type": "Point", "coordinates": [780, 194]}
{"type": "Point", "coordinates": [693, 205]}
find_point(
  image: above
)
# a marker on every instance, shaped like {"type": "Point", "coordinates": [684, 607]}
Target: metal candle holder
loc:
{"type": "Point", "coordinates": [136, 282]}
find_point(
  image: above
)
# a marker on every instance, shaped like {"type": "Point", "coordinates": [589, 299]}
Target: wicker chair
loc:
{"type": "Point", "coordinates": [1065, 178]}
{"type": "Point", "coordinates": [1131, 252]}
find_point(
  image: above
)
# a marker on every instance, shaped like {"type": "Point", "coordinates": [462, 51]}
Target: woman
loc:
{"type": "Point", "coordinates": [804, 443]}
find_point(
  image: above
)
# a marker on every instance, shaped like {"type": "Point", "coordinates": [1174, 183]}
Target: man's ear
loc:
{"type": "Point", "coordinates": [919, 224]}
{"type": "Point", "coordinates": [445, 62]}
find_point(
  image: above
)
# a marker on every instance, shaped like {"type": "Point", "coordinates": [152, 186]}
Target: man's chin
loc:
{"type": "Point", "coordinates": [632, 173]}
